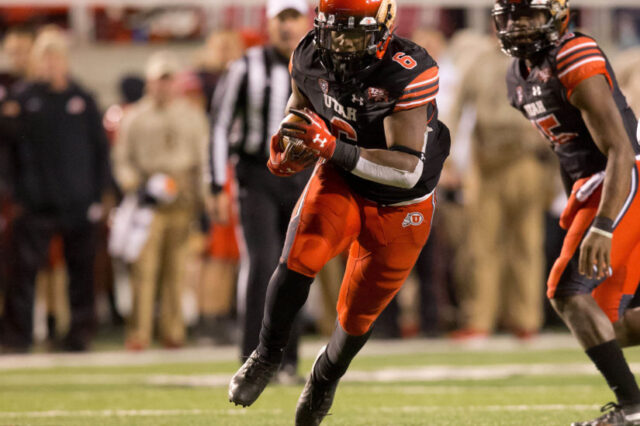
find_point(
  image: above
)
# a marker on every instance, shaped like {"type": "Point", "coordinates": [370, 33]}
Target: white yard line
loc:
{"type": "Point", "coordinates": [411, 374]}
{"type": "Point", "coordinates": [414, 375]}
{"type": "Point", "coordinates": [254, 411]}
{"type": "Point", "coordinates": [131, 413]}
{"type": "Point", "coordinates": [431, 409]}
{"type": "Point", "coordinates": [309, 349]}
{"type": "Point", "coordinates": [426, 389]}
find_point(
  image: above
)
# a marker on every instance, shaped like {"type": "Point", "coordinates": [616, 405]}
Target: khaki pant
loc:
{"type": "Point", "coordinates": [161, 261]}
{"type": "Point", "coordinates": [506, 207]}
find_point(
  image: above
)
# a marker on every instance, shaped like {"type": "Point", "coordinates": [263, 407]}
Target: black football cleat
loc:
{"type": "Point", "coordinates": [250, 380]}
{"type": "Point", "coordinates": [615, 416]}
{"type": "Point", "coordinates": [315, 400]}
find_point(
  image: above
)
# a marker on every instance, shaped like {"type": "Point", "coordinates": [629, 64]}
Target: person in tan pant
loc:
{"type": "Point", "coordinates": [505, 199]}
{"type": "Point", "coordinates": [160, 150]}
{"type": "Point", "coordinates": [627, 68]}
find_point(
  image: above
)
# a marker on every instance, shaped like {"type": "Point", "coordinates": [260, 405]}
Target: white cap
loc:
{"type": "Point", "coordinates": [275, 7]}
{"type": "Point", "coordinates": [161, 64]}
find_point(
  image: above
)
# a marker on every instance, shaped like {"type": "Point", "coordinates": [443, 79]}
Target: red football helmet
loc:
{"type": "Point", "coordinates": [352, 34]}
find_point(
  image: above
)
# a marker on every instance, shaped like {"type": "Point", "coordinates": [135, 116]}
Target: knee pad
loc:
{"type": "Point", "coordinates": [355, 325]}
{"type": "Point", "coordinates": [308, 255]}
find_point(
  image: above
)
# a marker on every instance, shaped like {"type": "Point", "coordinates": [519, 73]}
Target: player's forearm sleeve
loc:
{"type": "Point", "coordinates": [386, 175]}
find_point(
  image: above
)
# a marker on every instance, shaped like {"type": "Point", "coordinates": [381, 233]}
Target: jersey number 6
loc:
{"type": "Point", "coordinates": [405, 60]}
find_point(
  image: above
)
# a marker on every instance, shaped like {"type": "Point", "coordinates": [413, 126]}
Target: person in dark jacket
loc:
{"type": "Point", "coordinates": [61, 171]}
{"type": "Point", "coordinates": [16, 46]}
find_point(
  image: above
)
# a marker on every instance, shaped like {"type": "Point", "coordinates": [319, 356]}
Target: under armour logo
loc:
{"type": "Point", "coordinates": [357, 99]}
{"type": "Point", "coordinates": [319, 141]}
{"type": "Point", "coordinates": [536, 91]}
{"type": "Point", "coordinates": [413, 219]}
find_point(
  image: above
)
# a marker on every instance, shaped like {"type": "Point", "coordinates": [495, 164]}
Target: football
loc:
{"type": "Point", "coordinates": [294, 148]}
{"type": "Point", "coordinates": [286, 140]}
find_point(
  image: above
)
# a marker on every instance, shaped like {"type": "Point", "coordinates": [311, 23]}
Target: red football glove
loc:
{"type": "Point", "coordinates": [313, 133]}
{"type": "Point", "coordinates": [289, 161]}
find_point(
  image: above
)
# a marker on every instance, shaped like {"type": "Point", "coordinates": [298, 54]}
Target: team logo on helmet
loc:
{"type": "Point", "coordinates": [413, 219]}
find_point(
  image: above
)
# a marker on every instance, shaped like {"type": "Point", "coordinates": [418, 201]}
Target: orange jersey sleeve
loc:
{"type": "Point", "coordinates": [420, 91]}
{"type": "Point", "coordinates": [578, 60]}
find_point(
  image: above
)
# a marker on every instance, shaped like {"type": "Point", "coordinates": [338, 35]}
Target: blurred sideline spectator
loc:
{"type": "Point", "coordinates": [248, 107]}
{"type": "Point", "coordinates": [158, 158]}
{"type": "Point", "coordinates": [221, 49]}
{"type": "Point", "coordinates": [16, 46]}
{"type": "Point", "coordinates": [221, 255]}
{"type": "Point", "coordinates": [111, 275]}
{"type": "Point", "coordinates": [435, 264]}
{"type": "Point", "coordinates": [62, 171]}
{"type": "Point", "coordinates": [214, 256]}
{"type": "Point", "coordinates": [217, 283]}
{"type": "Point", "coordinates": [131, 89]}
{"type": "Point", "coordinates": [628, 72]}
{"type": "Point", "coordinates": [505, 190]}
{"type": "Point", "coordinates": [431, 276]}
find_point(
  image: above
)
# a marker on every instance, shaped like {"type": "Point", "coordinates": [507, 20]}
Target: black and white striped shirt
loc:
{"type": "Point", "coordinates": [248, 106]}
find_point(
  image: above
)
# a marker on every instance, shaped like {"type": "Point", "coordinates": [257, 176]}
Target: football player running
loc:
{"type": "Point", "coordinates": [563, 83]}
{"type": "Point", "coordinates": [366, 99]}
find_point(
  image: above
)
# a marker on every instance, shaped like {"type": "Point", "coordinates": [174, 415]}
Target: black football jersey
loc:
{"type": "Point", "coordinates": [406, 77]}
{"type": "Point", "coordinates": [543, 97]}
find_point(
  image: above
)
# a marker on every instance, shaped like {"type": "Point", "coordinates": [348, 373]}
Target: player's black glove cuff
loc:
{"type": "Point", "coordinates": [345, 155]}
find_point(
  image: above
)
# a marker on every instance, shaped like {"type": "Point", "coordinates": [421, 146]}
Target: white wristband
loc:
{"type": "Point", "coordinates": [601, 232]}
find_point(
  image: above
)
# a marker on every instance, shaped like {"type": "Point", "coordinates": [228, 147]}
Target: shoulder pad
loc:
{"type": "Point", "coordinates": [577, 58]}
{"type": "Point", "coordinates": [413, 73]}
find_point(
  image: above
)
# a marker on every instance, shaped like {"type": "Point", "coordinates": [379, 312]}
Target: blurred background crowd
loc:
{"type": "Point", "coordinates": [107, 225]}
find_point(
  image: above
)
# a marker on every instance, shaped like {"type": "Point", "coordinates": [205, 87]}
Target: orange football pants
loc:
{"type": "Point", "coordinates": [384, 243]}
{"type": "Point", "coordinates": [614, 293]}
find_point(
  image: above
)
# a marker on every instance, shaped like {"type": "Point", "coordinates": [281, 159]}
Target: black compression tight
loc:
{"type": "Point", "coordinates": [342, 348]}
{"type": "Point", "coordinates": [286, 294]}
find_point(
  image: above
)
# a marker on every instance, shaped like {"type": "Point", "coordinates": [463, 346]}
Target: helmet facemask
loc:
{"type": "Point", "coordinates": [348, 46]}
{"type": "Point", "coordinates": [526, 29]}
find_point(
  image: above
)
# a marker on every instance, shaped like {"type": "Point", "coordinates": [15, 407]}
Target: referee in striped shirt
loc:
{"type": "Point", "coordinates": [248, 107]}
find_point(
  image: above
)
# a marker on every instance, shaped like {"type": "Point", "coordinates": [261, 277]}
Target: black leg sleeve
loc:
{"type": "Point", "coordinates": [290, 354]}
{"type": "Point", "coordinates": [286, 294]}
{"type": "Point", "coordinates": [342, 348]}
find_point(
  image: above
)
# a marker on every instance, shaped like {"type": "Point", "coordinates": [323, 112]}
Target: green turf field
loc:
{"type": "Point", "coordinates": [422, 383]}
